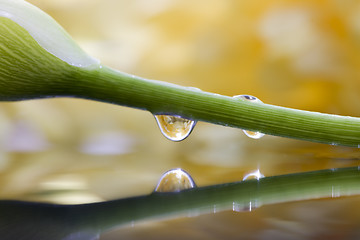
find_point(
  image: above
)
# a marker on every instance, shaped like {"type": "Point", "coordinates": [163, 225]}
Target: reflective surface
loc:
{"type": "Point", "coordinates": [302, 54]}
{"type": "Point", "coordinates": [321, 219]}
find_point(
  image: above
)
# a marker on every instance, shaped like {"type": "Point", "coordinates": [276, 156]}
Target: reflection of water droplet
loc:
{"type": "Point", "coordinates": [237, 207]}
{"type": "Point", "coordinates": [251, 205]}
{"type": "Point", "coordinates": [175, 180]}
{"type": "Point", "coordinates": [254, 135]}
{"type": "Point", "coordinates": [251, 134]}
{"type": "Point", "coordinates": [175, 128]}
{"type": "Point", "coordinates": [254, 175]}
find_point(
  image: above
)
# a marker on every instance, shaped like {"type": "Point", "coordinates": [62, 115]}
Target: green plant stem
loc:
{"type": "Point", "coordinates": [28, 71]}
{"type": "Point", "coordinates": [112, 86]}
{"type": "Point", "coordinates": [62, 220]}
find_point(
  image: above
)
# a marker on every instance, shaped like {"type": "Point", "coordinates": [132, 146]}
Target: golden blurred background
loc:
{"type": "Point", "coordinates": [295, 53]}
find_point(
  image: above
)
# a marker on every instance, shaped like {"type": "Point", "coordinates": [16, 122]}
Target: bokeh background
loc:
{"type": "Point", "coordinates": [295, 53]}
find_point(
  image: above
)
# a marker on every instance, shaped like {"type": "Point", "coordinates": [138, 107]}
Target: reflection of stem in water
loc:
{"type": "Point", "coordinates": [51, 221]}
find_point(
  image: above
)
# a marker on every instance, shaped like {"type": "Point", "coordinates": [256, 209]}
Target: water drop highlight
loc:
{"type": "Point", "coordinates": [175, 128]}
{"type": "Point", "coordinates": [253, 175]}
{"type": "Point", "coordinates": [175, 180]}
{"type": "Point", "coordinates": [251, 134]}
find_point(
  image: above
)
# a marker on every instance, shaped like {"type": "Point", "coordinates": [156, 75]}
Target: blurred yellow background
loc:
{"type": "Point", "coordinates": [296, 53]}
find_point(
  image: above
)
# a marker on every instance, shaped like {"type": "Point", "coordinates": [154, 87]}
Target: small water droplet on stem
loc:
{"type": "Point", "coordinates": [251, 134]}
{"type": "Point", "coordinates": [253, 175]}
{"type": "Point", "coordinates": [175, 128]}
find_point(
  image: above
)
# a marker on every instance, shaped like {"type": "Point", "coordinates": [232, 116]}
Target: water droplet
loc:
{"type": "Point", "coordinates": [248, 98]}
{"type": "Point", "coordinates": [251, 134]}
{"type": "Point", "coordinates": [175, 180]}
{"type": "Point", "coordinates": [254, 135]}
{"type": "Point", "coordinates": [175, 128]}
{"type": "Point", "coordinates": [254, 175]}
{"type": "Point", "coordinates": [195, 89]}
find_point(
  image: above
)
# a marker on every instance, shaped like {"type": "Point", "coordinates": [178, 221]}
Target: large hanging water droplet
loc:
{"type": "Point", "coordinates": [175, 128]}
{"type": "Point", "coordinates": [175, 180]}
{"type": "Point", "coordinates": [251, 134]}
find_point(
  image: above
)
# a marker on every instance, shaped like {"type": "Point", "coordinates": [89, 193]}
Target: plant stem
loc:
{"type": "Point", "coordinates": [240, 196]}
{"type": "Point", "coordinates": [28, 71]}
{"type": "Point", "coordinates": [112, 86]}
{"type": "Point", "coordinates": [57, 221]}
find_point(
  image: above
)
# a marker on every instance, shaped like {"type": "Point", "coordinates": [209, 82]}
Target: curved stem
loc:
{"type": "Point", "coordinates": [28, 71]}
